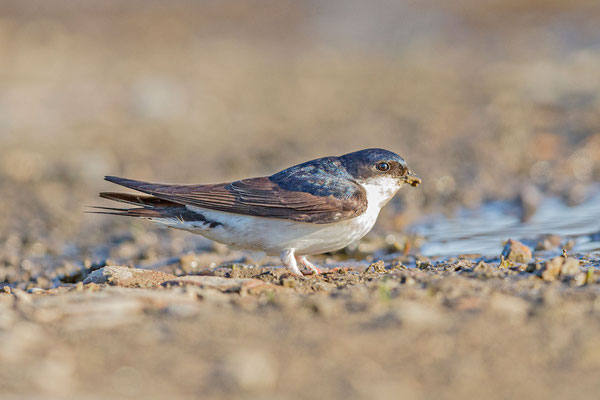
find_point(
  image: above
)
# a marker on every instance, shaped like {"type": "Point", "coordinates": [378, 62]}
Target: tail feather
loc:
{"type": "Point", "coordinates": [137, 212]}
{"type": "Point", "coordinates": [149, 206]}
{"type": "Point", "coordinates": [138, 199]}
{"type": "Point", "coordinates": [152, 208]}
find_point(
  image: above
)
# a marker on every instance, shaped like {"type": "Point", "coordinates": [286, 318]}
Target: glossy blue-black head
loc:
{"type": "Point", "coordinates": [372, 163]}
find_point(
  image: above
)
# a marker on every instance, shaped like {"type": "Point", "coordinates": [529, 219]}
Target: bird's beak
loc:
{"type": "Point", "coordinates": [412, 179]}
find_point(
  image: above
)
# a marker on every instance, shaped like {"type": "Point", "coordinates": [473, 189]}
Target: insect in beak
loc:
{"type": "Point", "coordinates": [412, 179]}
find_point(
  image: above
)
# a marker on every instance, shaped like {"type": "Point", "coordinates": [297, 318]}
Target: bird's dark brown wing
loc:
{"type": "Point", "coordinates": [260, 197]}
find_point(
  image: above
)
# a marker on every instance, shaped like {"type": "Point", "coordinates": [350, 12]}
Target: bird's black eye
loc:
{"type": "Point", "coordinates": [383, 166]}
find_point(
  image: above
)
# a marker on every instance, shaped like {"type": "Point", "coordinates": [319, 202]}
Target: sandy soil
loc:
{"type": "Point", "coordinates": [486, 100]}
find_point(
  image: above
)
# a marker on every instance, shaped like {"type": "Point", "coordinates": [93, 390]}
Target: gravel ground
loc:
{"type": "Point", "coordinates": [441, 330]}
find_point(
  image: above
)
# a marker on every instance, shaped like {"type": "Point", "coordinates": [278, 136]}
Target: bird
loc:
{"type": "Point", "coordinates": [311, 208]}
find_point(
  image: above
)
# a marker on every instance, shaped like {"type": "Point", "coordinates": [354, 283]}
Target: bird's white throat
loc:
{"type": "Point", "coordinates": [380, 190]}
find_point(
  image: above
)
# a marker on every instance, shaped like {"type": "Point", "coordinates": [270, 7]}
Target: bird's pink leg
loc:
{"type": "Point", "coordinates": [289, 261]}
{"type": "Point", "coordinates": [303, 261]}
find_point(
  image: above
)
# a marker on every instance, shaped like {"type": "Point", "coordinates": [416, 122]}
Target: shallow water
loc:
{"type": "Point", "coordinates": [484, 231]}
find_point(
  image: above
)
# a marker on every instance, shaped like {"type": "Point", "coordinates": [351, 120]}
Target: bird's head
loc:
{"type": "Point", "coordinates": [380, 172]}
{"type": "Point", "coordinates": [379, 165]}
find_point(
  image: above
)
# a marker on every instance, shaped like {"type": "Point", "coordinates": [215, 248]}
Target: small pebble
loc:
{"type": "Point", "coordinates": [517, 252]}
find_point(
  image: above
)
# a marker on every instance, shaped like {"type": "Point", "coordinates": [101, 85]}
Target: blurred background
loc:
{"type": "Point", "coordinates": [485, 99]}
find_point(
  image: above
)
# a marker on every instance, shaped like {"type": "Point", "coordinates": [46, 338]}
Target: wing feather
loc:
{"type": "Point", "coordinates": [262, 197]}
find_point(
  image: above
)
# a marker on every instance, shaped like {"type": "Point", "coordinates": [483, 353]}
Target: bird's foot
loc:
{"type": "Point", "coordinates": [291, 261]}
{"type": "Point", "coordinates": [303, 261]}
{"type": "Point", "coordinates": [288, 259]}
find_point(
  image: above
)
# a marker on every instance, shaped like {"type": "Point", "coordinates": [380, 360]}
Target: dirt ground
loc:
{"type": "Point", "coordinates": [492, 100]}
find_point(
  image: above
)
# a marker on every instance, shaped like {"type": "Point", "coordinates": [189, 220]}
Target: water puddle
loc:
{"type": "Point", "coordinates": [483, 231]}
